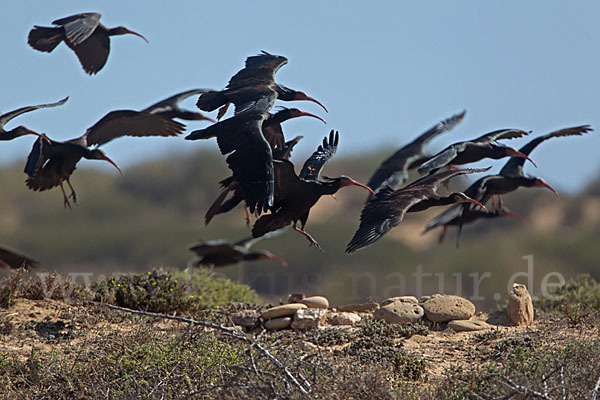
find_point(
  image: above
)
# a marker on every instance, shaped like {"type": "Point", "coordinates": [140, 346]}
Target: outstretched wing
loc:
{"type": "Point", "coordinates": [130, 123]}
{"type": "Point", "coordinates": [514, 166]}
{"type": "Point", "coordinates": [79, 27]}
{"type": "Point", "coordinates": [210, 246]}
{"type": "Point", "coordinates": [450, 214]}
{"type": "Point", "coordinates": [313, 166]}
{"type": "Point", "coordinates": [501, 134]}
{"type": "Point", "coordinates": [4, 118]}
{"type": "Point", "coordinates": [172, 103]}
{"type": "Point", "coordinates": [441, 159]}
{"type": "Point", "coordinates": [435, 180]}
{"type": "Point", "coordinates": [14, 259]}
{"type": "Point", "coordinates": [258, 70]}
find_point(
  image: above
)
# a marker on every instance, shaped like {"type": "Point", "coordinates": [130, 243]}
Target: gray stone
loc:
{"type": "Point", "coordinates": [315, 302]}
{"type": "Point", "coordinates": [308, 318]}
{"type": "Point", "coordinates": [344, 318]}
{"type": "Point", "coordinates": [399, 313]}
{"type": "Point", "coordinates": [468, 325]}
{"type": "Point", "coordinates": [278, 323]}
{"type": "Point", "coordinates": [447, 307]}
{"type": "Point", "coordinates": [246, 318]}
{"type": "Point", "coordinates": [364, 307]}
{"type": "Point", "coordinates": [286, 310]}
{"type": "Point", "coordinates": [400, 299]}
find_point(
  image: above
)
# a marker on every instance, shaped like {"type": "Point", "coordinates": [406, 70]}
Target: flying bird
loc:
{"type": "Point", "coordinates": [474, 150]}
{"type": "Point", "coordinates": [12, 259]}
{"type": "Point", "coordinates": [256, 80]}
{"type": "Point", "coordinates": [393, 172]}
{"type": "Point", "coordinates": [84, 34]}
{"type": "Point", "coordinates": [21, 130]}
{"type": "Point", "coordinates": [387, 209]}
{"type": "Point", "coordinates": [169, 107]}
{"type": "Point", "coordinates": [295, 194]}
{"type": "Point", "coordinates": [219, 253]}
{"type": "Point", "coordinates": [50, 162]}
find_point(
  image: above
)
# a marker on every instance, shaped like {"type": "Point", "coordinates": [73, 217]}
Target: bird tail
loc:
{"type": "Point", "coordinates": [210, 101]}
{"type": "Point", "coordinates": [269, 223]}
{"type": "Point", "coordinates": [217, 206]}
{"type": "Point", "coordinates": [45, 39]}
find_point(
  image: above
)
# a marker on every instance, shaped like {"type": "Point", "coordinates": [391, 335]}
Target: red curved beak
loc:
{"type": "Point", "coordinates": [514, 215]}
{"type": "Point", "coordinates": [137, 34]}
{"type": "Point", "coordinates": [304, 96]}
{"type": "Point", "coordinates": [273, 257]}
{"type": "Point", "coordinates": [356, 183]}
{"type": "Point", "coordinates": [542, 183]}
{"type": "Point", "coordinates": [510, 152]}
{"type": "Point", "coordinates": [470, 200]}
{"type": "Point", "coordinates": [113, 163]}
{"type": "Point", "coordinates": [300, 113]}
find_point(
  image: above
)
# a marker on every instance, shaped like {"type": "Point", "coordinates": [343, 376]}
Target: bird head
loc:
{"type": "Point", "coordinates": [121, 30]}
{"type": "Point", "coordinates": [97, 154]}
{"type": "Point", "coordinates": [460, 197]}
{"type": "Point", "coordinates": [539, 182]}
{"type": "Point", "coordinates": [512, 152]}
{"type": "Point", "coordinates": [22, 131]}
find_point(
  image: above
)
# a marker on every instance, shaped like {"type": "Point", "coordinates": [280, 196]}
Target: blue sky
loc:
{"type": "Point", "coordinates": [385, 70]}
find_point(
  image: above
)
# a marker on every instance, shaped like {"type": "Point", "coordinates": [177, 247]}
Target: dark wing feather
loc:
{"type": "Point", "coordinates": [130, 123]}
{"type": "Point", "coordinates": [55, 163]}
{"type": "Point", "coordinates": [93, 52]}
{"type": "Point", "coordinates": [450, 214]}
{"type": "Point", "coordinates": [14, 259]}
{"type": "Point", "coordinates": [514, 166]}
{"type": "Point", "coordinates": [172, 103]}
{"type": "Point", "coordinates": [4, 118]}
{"type": "Point", "coordinates": [501, 134]}
{"type": "Point", "coordinates": [259, 69]}
{"type": "Point", "coordinates": [441, 159]}
{"type": "Point", "coordinates": [210, 246]}
{"type": "Point", "coordinates": [79, 27]}
{"type": "Point", "coordinates": [313, 166]}
{"type": "Point", "coordinates": [435, 180]}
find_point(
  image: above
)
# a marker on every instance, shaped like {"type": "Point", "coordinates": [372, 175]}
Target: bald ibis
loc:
{"type": "Point", "coordinates": [21, 130]}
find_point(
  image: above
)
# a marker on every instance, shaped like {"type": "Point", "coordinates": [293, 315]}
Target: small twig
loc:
{"type": "Point", "coordinates": [227, 331]}
{"type": "Point", "coordinates": [596, 390]}
{"type": "Point", "coordinates": [562, 382]}
{"type": "Point", "coordinates": [523, 389]}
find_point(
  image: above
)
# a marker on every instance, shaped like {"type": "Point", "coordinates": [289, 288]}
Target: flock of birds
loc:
{"type": "Point", "coordinates": [263, 177]}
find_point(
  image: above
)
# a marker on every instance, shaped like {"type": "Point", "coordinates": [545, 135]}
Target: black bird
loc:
{"type": "Point", "coordinates": [12, 259]}
{"type": "Point", "coordinates": [219, 253]}
{"type": "Point", "coordinates": [393, 172]}
{"type": "Point", "coordinates": [84, 34]}
{"type": "Point", "coordinates": [169, 108]}
{"type": "Point", "coordinates": [387, 209]}
{"type": "Point", "coordinates": [222, 204]}
{"type": "Point", "coordinates": [254, 81]}
{"type": "Point", "coordinates": [251, 158]}
{"type": "Point", "coordinates": [21, 130]}
{"type": "Point", "coordinates": [475, 150]}
{"type": "Point", "coordinates": [50, 162]}
{"type": "Point", "coordinates": [455, 216]}
{"type": "Point", "coordinates": [295, 194]}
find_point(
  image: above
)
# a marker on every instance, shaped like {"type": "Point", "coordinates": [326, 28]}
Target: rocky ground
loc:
{"type": "Point", "coordinates": [433, 347]}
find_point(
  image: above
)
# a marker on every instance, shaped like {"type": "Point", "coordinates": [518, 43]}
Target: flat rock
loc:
{"type": "Point", "coordinates": [364, 307]}
{"type": "Point", "coordinates": [399, 313]}
{"type": "Point", "coordinates": [278, 323]}
{"type": "Point", "coordinates": [400, 299]}
{"type": "Point", "coordinates": [447, 307]}
{"type": "Point", "coordinates": [308, 318]}
{"type": "Point", "coordinates": [468, 325]}
{"type": "Point", "coordinates": [286, 310]}
{"type": "Point", "coordinates": [246, 318]}
{"type": "Point", "coordinates": [344, 318]}
{"type": "Point", "coordinates": [315, 302]}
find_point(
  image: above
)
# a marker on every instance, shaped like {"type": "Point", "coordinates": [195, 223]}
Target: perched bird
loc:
{"type": "Point", "coordinates": [219, 253]}
{"type": "Point", "coordinates": [21, 130]}
{"type": "Point", "coordinates": [250, 156]}
{"type": "Point", "coordinates": [454, 216]}
{"type": "Point", "coordinates": [50, 162]}
{"type": "Point", "coordinates": [84, 34]}
{"type": "Point", "coordinates": [254, 81]}
{"type": "Point", "coordinates": [12, 259]}
{"type": "Point", "coordinates": [475, 150]}
{"type": "Point", "coordinates": [393, 172]}
{"type": "Point", "coordinates": [387, 209]}
{"type": "Point", "coordinates": [295, 194]}
{"type": "Point", "coordinates": [222, 204]}
{"type": "Point", "coordinates": [169, 108]}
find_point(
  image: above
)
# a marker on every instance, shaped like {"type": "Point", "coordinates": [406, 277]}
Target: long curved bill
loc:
{"type": "Point", "coordinates": [516, 153]}
{"type": "Point", "coordinates": [470, 200]}
{"type": "Point", "coordinates": [306, 114]}
{"type": "Point", "coordinates": [273, 257]}
{"type": "Point", "coordinates": [308, 98]}
{"type": "Point", "coordinates": [542, 183]}
{"type": "Point", "coordinates": [356, 183]}
{"type": "Point", "coordinates": [137, 34]}
{"type": "Point", "coordinates": [113, 163]}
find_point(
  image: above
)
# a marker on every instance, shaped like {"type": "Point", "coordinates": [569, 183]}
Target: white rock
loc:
{"type": "Point", "coordinates": [306, 319]}
{"type": "Point", "coordinates": [344, 318]}
{"type": "Point", "coordinates": [285, 310]}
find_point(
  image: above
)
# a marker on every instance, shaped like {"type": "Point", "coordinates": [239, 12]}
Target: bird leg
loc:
{"type": "Point", "coordinates": [223, 110]}
{"type": "Point", "coordinates": [499, 203]}
{"type": "Point", "coordinates": [493, 204]}
{"type": "Point", "coordinates": [310, 239]}
{"type": "Point", "coordinates": [247, 210]}
{"type": "Point", "coordinates": [66, 199]}
{"type": "Point", "coordinates": [443, 234]}
{"type": "Point", "coordinates": [73, 195]}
